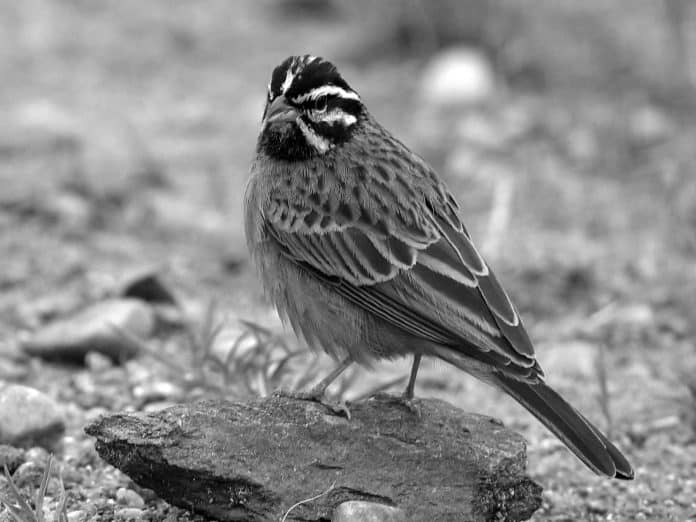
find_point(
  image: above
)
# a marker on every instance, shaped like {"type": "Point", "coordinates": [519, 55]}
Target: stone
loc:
{"type": "Point", "coordinates": [148, 286]}
{"type": "Point", "coordinates": [255, 460]}
{"type": "Point", "coordinates": [129, 498]}
{"type": "Point", "coordinates": [95, 328]}
{"type": "Point", "coordinates": [11, 457]}
{"type": "Point", "coordinates": [458, 76]}
{"type": "Point", "coordinates": [97, 362]}
{"type": "Point", "coordinates": [29, 417]}
{"type": "Point", "coordinates": [129, 514]}
{"type": "Point", "coordinates": [358, 511]}
{"type": "Point", "coordinates": [77, 515]}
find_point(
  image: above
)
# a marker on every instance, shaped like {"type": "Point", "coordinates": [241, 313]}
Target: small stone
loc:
{"type": "Point", "coordinates": [96, 328]}
{"type": "Point", "coordinates": [98, 362]}
{"type": "Point", "coordinates": [77, 516]}
{"type": "Point", "coordinates": [29, 417]}
{"type": "Point", "coordinates": [153, 407]}
{"type": "Point", "coordinates": [156, 391]}
{"type": "Point", "coordinates": [360, 511]}
{"type": "Point", "coordinates": [129, 514]}
{"type": "Point", "coordinates": [147, 286]}
{"type": "Point", "coordinates": [458, 76]}
{"type": "Point", "coordinates": [128, 497]}
{"type": "Point", "coordinates": [28, 474]}
{"type": "Point", "coordinates": [11, 457]}
{"type": "Point", "coordinates": [37, 455]}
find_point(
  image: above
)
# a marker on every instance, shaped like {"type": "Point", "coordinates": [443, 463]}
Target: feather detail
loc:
{"type": "Point", "coordinates": [407, 260]}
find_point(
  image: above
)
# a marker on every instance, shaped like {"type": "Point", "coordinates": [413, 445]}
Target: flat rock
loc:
{"type": "Point", "coordinates": [93, 329]}
{"type": "Point", "coordinates": [29, 417]}
{"type": "Point", "coordinates": [252, 461]}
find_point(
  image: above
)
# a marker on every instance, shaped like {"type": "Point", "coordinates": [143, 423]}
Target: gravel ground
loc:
{"type": "Point", "coordinates": [125, 144]}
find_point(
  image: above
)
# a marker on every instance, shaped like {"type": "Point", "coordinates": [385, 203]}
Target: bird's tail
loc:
{"type": "Point", "coordinates": [570, 426]}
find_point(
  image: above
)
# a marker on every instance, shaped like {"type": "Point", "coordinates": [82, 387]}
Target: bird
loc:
{"type": "Point", "coordinates": [359, 244]}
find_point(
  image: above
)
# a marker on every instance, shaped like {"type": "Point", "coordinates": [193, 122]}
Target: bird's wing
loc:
{"type": "Point", "coordinates": [411, 263]}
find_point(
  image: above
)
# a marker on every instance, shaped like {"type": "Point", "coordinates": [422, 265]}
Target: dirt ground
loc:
{"type": "Point", "coordinates": [126, 140]}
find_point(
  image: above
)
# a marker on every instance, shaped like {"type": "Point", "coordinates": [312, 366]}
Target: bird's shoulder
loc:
{"type": "Point", "coordinates": [374, 181]}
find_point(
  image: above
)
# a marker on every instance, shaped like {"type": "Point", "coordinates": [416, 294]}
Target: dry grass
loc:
{"type": "Point", "coordinates": [19, 507]}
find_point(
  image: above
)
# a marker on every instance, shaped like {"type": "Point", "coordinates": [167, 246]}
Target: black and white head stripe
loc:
{"type": "Point", "coordinates": [303, 78]}
{"type": "Point", "coordinates": [328, 109]}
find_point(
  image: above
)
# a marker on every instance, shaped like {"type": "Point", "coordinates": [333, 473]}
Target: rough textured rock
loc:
{"type": "Point", "coordinates": [29, 417]}
{"type": "Point", "coordinates": [93, 329]}
{"type": "Point", "coordinates": [253, 461]}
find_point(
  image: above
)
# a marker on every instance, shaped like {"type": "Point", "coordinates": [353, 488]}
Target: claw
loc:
{"type": "Point", "coordinates": [400, 400]}
{"type": "Point", "coordinates": [316, 395]}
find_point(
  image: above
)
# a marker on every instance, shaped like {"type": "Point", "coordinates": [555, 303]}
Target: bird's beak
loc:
{"type": "Point", "coordinates": [279, 110]}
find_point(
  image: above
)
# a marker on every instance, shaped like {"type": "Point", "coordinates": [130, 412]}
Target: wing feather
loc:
{"type": "Point", "coordinates": [415, 268]}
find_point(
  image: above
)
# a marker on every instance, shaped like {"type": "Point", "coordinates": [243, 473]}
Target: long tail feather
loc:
{"type": "Point", "coordinates": [570, 426]}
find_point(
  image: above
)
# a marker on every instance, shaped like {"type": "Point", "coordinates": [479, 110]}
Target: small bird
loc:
{"type": "Point", "coordinates": [359, 244]}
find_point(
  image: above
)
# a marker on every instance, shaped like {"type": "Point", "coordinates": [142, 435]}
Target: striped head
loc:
{"type": "Point", "coordinates": [310, 109]}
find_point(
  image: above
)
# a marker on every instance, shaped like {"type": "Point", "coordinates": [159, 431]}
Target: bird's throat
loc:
{"type": "Point", "coordinates": [285, 141]}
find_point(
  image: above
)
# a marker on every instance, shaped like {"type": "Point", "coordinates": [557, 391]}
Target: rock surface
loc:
{"type": "Point", "coordinates": [252, 461]}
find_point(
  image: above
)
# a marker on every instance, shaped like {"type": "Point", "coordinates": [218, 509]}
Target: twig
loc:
{"type": "Point", "coordinates": [331, 487]}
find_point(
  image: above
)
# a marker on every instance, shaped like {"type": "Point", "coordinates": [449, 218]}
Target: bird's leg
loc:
{"type": "Point", "coordinates": [318, 392]}
{"type": "Point", "coordinates": [406, 398]}
{"type": "Point", "coordinates": [408, 392]}
{"type": "Point", "coordinates": [320, 388]}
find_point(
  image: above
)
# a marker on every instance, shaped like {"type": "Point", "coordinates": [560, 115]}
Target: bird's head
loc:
{"type": "Point", "coordinates": [310, 109]}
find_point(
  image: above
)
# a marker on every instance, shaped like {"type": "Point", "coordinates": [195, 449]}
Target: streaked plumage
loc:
{"type": "Point", "coordinates": [360, 246]}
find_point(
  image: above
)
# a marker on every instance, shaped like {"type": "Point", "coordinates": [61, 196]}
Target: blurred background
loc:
{"type": "Point", "coordinates": [566, 129]}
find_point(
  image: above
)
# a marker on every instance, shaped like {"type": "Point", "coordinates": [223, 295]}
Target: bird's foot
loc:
{"type": "Point", "coordinates": [316, 395]}
{"type": "Point", "coordinates": [400, 400]}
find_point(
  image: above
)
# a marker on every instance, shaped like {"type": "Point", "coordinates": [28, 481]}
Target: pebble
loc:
{"type": "Point", "coordinates": [37, 455]}
{"type": "Point", "coordinates": [11, 457]}
{"type": "Point", "coordinates": [360, 511]}
{"type": "Point", "coordinates": [458, 76]}
{"type": "Point", "coordinates": [148, 392]}
{"type": "Point", "coordinates": [129, 514]}
{"type": "Point", "coordinates": [147, 286]}
{"type": "Point", "coordinates": [77, 516]}
{"type": "Point", "coordinates": [128, 497]}
{"type": "Point", "coordinates": [28, 474]}
{"type": "Point", "coordinates": [97, 362]}
{"type": "Point", "coordinates": [29, 417]}
{"type": "Point", "coordinates": [94, 328]}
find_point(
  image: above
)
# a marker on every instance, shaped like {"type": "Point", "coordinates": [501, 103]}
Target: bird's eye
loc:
{"type": "Point", "coordinates": [321, 103]}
